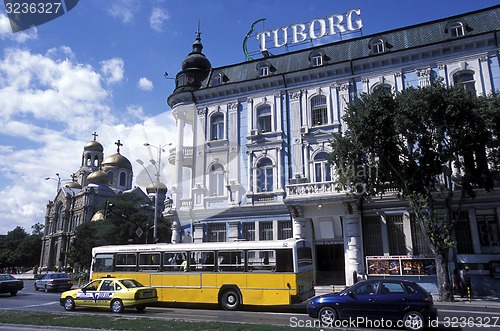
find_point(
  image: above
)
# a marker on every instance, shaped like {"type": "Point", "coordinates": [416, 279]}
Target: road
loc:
{"type": "Point", "coordinates": [460, 315]}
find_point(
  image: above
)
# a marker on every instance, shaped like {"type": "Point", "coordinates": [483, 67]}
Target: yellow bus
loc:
{"type": "Point", "coordinates": [230, 274]}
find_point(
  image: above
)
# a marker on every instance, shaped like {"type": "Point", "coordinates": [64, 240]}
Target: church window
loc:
{"type": "Point", "coordinates": [111, 176]}
{"type": "Point", "coordinates": [217, 127]}
{"type": "Point", "coordinates": [319, 111]}
{"type": "Point", "coordinates": [60, 218]}
{"type": "Point", "coordinates": [123, 178]}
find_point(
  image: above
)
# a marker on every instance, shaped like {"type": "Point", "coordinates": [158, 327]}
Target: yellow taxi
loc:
{"type": "Point", "coordinates": [111, 293]}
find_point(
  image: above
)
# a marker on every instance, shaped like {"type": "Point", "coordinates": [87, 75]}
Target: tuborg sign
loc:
{"type": "Point", "coordinates": [315, 29]}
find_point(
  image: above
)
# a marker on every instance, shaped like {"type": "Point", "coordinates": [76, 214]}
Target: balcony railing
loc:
{"type": "Point", "coordinates": [303, 189]}
{"type": "Point", "coordinates": [187, 156]}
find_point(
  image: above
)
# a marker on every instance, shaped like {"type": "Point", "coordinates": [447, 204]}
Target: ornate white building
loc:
{"type": "Point", "coordinates": [256, 166]}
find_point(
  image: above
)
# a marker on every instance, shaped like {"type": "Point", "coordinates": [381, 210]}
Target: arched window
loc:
{"type": "Point", "coordinates": [466, 79]}
{"type": "Point", "coordinates": [378, 46]}
{"type": "Point", "coordinates": [456, 29]}
{"type": "Point", "coordinates": [60, 218]}
{"type": "Point", "coordinates": [123, 179]}
{"type": "Point", "coordinates": [319, 112]}
{"type": "Point", "coordinates": [263, 68]}
{"type": "Point", "coordinates": [264, 118]}
{"type": "Point", "coordinates": [217, 127]}
{"type": "Point", "coordinates": [316, 58]}
{"type": "Point", "coordinates": [385, 88]}
{"type": "Point", "coordinates": [111, 176]}
{"type": "Point", "coordinates": [264, 175]}
{"type": "Point", "coordinates": [216, 180]}
{"type": "Point", "coordinates": [322, 169]}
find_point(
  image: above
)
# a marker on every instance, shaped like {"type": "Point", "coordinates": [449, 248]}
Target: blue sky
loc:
{"type": "Point", "coordinates": [100, 67]}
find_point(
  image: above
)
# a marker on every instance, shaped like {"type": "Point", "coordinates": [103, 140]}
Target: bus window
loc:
{"type": "Point", "coordinates": [304, 256]}
{"type": "Point", "coordinates": [149, 261]}
{"type": "Point", "coordinates": [173, 261]}
{"type": "Point", "coordinates": [261, 260]}
{"type": "Point", "coordinates": [126, 262]}
{"type": "Point", "coordinates": [103, 262]}
{"type": "Point", "coordinates": [203, 261]}
{"type": "Point", "coordinates": [231, 261]}
{"type": "Point", "coordinates": [284, 260]}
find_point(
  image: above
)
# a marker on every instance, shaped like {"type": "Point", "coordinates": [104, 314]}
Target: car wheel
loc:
{"type": "Point", "coordinates": [230, 300]}
{"type": "Point", "coordinates": [69, 304]}
{"type": "Point", "coordinates": [36, 287]}
{"type": "Point", "coordinates": [414, 321]}
{"type": "Point", "coordinates": [12, 293]}
{"type": "Point", "coordinates": [327, 316]}
{"type": "Point", "coordinates": [140, 308]}
{"type": "Point", "coordinates": [117, 306]}
{"type": "Point", "coordinates": [46, 289]}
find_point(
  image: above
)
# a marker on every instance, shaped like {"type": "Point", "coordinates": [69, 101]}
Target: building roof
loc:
{"type": "Point", "coordinates": [476, 23]}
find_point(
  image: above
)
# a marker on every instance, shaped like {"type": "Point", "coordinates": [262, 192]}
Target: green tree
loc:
{"type": "Point", "coordinates": [19, 249]}
{"type": "Point", "coordinates": [435, 145]}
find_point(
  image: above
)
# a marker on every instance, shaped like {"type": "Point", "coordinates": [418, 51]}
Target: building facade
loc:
{"type": "Point", "coordinates": [256, 167]}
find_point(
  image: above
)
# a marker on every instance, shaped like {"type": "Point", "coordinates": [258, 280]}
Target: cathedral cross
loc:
{"type": "Point", "coordinates": [95, 135]}
{"type": "Point", "coordinates": [118, 143]}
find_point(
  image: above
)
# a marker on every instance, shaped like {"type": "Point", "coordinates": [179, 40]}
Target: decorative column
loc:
{"type": "Point", "coordinates": [353, 246]}
{"type": "Point", "coordinates": [180, 115]}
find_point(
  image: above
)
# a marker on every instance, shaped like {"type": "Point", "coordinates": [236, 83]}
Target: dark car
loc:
{"type": "Point", "coordinates": [54, 281]}
{"type": "Point", "coordinates": [376, 303]}
{"type": "Point", "coordinates": [9, 284]}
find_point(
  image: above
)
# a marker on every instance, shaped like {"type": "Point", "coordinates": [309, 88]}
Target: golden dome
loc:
{"type": "Point", "coordinates": [93, 146]}
{"type": "Point", "coordinates": [117, 160]}
{"type": "Point", "coordinates": [151, 188]}
{"type": "Point", "coordinates": [73, 185]}
{"type": "Point", "coordinates": [98, 177]}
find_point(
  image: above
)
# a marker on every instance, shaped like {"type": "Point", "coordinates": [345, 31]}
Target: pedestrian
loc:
{"type": "Point", "coordinates": [457, 289]}
{"type": "Point", "coordinates": [465, 281]}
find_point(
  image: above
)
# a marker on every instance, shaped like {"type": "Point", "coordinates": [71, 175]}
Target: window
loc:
{"type": "Point", "coordinates": [60, 218]}
{"type": "Point", "coordinates": [266, 231]}
{"type": "Point", "coordinates": [487, 227]}
{"type": "Point", "coordinates": [111, 176]}
{"type": "Point", "coordinates": [263, 69]}
{"type": "Point", "coordinates": [217, 127]}
{"type": "Point", "coordinates": [249, 231]}
{"type": "Point", "coordinates": [217, 80]}
{"type": "Point", "coordinates": [265, 175]}
{"type": "Point", "coordinates": [466, 79]}
{"type": "Point", "coordinates": [284, 230]}
{"type": "Point", "coordinates": [456, 29]}
{"type": "Point", "coordinates": [384, 88]}
{"type": "Point", "coordinates": [372, 236]}
{"type": "Point", "coordinates": [264, 119]}
{"type": "Point", "coordinates": [203, 260]}
{"type": "Point", "coordinates": [216, 180]}
{"type": "Point", "coordinates": [319, 110]}
{"type": "Point", "coordinates": [378, 47]}
{"type": "Point", "coordinates": [392, 288]}
{"type": "Point", "coordinates": [173, 261]}
{"type": "Point", "coordinates": [149, 261]}
{"type": "Point", "coordinates": [126, 262]}
{"type": "Point", "coordinates": [396, 235]}
{"type": "Point", "coordinates": [462, 234]}
{"type": "Point", "coordinates": [123, 178]}
{"type": "Point", "coordinates": [216, 232]}
{"type": "Point", "coordinates": [316, 58]}
{"type": "Point", "coordinates": [261, 260]}
{"type": "Point", "coordinates": [322, 169]}
{"type": "Point", "coordinates": [420, 242]}
{"type": "Point", "coordinates": [231, 261]}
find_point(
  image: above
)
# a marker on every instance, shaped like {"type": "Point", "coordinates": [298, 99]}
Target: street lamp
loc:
{"type": "Point", "coordinates": [157, 165]}
{"type": "Point", "coordinates": [58, 180]}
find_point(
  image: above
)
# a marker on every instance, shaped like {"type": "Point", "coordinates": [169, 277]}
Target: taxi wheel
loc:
{"type": "Point", "coordinates": [69, 304]}
{"type": "Point", "coordinates": [117, 306]}
{"type": "Point", "coordinates": [140, 308]}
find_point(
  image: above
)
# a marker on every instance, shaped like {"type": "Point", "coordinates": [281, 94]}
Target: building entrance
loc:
{"type": "Point", "coordinates": [330, 262]}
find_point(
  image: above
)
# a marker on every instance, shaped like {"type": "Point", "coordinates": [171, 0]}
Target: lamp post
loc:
{"type": "Point", "coordinates": [157, 164]}
{"type": "Point", "coordinates": [58, 180]}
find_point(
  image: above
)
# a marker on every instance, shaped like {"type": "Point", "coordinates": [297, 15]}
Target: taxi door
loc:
{"type": "Point", "coordinates": [87, 295]}
{"type": "Point", "coordinates": [105, 293]}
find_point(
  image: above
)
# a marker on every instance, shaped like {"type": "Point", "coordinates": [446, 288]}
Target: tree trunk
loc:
{"type": "Point", "coordinates": [445, 292]}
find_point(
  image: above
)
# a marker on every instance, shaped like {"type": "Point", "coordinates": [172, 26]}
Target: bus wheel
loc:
{"type": "Point", "coordinates": [230, 299]}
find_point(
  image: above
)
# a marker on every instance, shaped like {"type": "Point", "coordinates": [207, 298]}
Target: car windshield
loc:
{"type": "Point", "coordinates": [6, 277]}
{"type": "Point", "coordinates": [130, 283]}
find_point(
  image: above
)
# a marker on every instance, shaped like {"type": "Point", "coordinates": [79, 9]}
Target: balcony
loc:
{"type": "Point", "coordinates": [310, 189]}
{"type": "Point", "coordinates": [187, 156]}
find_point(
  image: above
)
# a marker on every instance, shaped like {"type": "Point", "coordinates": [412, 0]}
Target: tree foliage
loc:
{"type": "Point", "coordinates": [18, 249]}
{"type": "Point", "coordinates": [434, 145]}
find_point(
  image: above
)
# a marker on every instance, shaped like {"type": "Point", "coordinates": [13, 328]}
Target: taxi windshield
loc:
{"type": "Point", "coordinates": [130, 283]}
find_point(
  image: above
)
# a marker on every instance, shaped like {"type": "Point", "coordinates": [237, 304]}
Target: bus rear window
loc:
{"type": "Point", "coordinates": [304, 255]}
{"type": "Point", "coordinates": [103, 262]}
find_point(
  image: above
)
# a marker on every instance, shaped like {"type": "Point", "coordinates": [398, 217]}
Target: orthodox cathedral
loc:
{"type": "Point", "coordinates": [82, 199]}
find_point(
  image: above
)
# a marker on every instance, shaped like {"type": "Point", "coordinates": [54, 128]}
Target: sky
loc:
{"type": "Point", "coordinates": [101, 68]}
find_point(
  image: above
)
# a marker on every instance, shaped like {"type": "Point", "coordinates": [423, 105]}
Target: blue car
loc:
{"type": "Point", "coordinates": [376, 303]}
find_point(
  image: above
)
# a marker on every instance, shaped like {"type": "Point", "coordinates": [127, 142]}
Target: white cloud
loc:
{"type": "Point", "coordinates": [7, 34]}
{"type": "Point", "coordinates": [145, 84]}
{"type": "Point", "coordinates": [113, 70]}
{"type": "Point", "coordinates": [124, 10]}
{"type": "Point", "coordinates": [158, 16]}
{"type": "Point", "coordinates": [135, 111]}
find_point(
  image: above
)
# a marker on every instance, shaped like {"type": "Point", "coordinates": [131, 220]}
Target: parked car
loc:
{"type": "Point", "coordinates": [111, 293]}
{"type": "Point", "coordinates": [9, 284]}
{"type": "Point", "coordinates": [378, 303]}
{"type": "Point", "coordinates": [54, 281]}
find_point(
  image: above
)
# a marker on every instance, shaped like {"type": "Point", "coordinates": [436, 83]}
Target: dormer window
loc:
{"type": "Point", "coordinates": [456, 29]}
{"type": "Point", "coordinates": [316, 59]}
{"type": "Point", "coordinates": [263, 69]}
{"type": "Point", "coordinates": [378, 45]}
{"type": "Point", "coordinates": [219, 79]}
